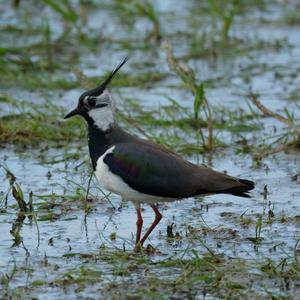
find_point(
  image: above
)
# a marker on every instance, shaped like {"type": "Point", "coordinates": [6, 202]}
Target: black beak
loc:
{"type": "Point", "coordinates": [74, 112]}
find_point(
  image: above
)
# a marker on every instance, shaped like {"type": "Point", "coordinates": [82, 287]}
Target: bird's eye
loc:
{"type": "Point", "coordinates": [92, 102]}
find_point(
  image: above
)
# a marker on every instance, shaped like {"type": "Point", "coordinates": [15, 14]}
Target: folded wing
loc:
{"type": "Point", "coordinates": [151, 169]}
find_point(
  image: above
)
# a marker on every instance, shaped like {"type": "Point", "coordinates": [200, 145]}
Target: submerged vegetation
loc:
{"type": "Point", "coordinates": [216, 81]}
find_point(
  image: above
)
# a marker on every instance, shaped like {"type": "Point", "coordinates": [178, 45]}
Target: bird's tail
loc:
{"type": "Point", "coordinates": [242, 189]}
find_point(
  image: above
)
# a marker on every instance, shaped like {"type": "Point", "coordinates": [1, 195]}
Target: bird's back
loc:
{"type": "Point", "coordinates": [151, 169]}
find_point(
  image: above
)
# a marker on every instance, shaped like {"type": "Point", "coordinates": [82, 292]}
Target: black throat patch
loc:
{"type": "Point", "coordinates": [99, 142]}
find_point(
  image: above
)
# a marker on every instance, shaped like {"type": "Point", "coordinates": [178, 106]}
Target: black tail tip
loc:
{"type": "Point", "coordinates": [240, 188]}
{"type": "Point", "coordinates": [250, 185]}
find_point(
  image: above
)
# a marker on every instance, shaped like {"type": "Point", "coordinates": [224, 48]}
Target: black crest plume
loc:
{"type": "Point", "coordinates": [98, 90]}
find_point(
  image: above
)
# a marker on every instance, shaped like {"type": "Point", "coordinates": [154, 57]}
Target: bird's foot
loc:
{"type": "Point", "coordinates": [140, 249]}
{"type": "Point", "coordinates": [150, 249]}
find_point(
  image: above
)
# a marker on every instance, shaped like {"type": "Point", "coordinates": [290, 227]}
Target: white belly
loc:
{"type": "Point", "coordinates": [115, 184]}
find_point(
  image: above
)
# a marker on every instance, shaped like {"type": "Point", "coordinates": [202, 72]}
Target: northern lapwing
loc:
{"type": "Point", "coordinates": [140, 170]}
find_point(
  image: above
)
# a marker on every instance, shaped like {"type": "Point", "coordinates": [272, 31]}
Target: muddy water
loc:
{"type": "Point", "coordinates": [216, 221]}
{"type": "Point", "coordinates": [220, 215]}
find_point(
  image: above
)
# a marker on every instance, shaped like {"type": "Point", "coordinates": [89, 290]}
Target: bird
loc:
{"type": "Point", "coordinates": [140, 170]}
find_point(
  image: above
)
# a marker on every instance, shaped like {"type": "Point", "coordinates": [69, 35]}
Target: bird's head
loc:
{"type": "Point", "coordinates": [97, 105]}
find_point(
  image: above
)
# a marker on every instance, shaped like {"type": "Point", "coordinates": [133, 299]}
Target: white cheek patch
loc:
{"type": "Point", "coordinates": [104, 97]}
{"type": "Point", "coordinates": [103, 117]}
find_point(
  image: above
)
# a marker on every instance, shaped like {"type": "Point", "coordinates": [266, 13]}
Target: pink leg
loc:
{"type": "Point", "coordinates": [158, 217]}
{"type": "Point", "coordinates": [139, 224]}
